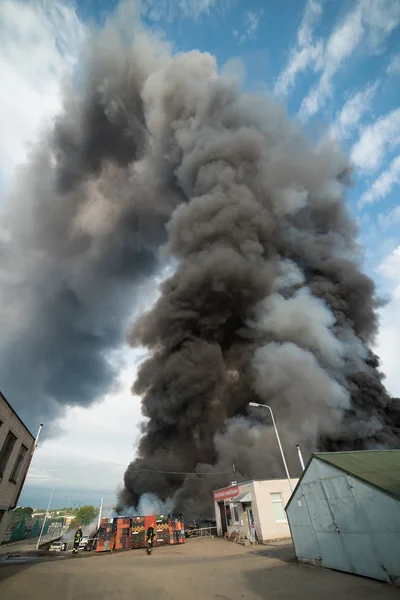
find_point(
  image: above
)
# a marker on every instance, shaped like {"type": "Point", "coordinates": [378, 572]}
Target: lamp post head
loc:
{"type": "Point", "coordinates": [254, 404]}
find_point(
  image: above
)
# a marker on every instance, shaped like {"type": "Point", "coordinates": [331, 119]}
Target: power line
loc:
{"type": "Point", "coordinates": [179, 472]}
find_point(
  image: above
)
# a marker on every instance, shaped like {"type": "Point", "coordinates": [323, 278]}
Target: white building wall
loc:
{"type": "Point", "coordinates": [343, 523]}
{"type": "Point", "coordinates": [268, 527]}
{"type": "Point", "coordinates": [9, 491]}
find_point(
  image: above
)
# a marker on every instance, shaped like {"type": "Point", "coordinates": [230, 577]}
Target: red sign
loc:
{"type": "Point", "coordinates": [229, 492]}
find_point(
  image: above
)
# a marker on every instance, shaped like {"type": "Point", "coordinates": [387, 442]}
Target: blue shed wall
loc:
{"type": "Point", "coordinates": [343, 523]}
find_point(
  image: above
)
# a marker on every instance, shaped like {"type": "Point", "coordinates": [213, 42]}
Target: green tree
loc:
{"type": "Point", "coordinates": [84, 515]}
{"type": "Point", "coordinates": [23, 511]}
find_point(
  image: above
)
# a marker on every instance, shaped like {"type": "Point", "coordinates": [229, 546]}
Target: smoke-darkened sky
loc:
{"type": "Point", "coordinates": [158, 160]}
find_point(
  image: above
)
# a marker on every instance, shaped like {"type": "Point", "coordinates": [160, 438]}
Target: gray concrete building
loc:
{"type": "Point", "coordinates": [344, 513]}
{"type": "Point", "coordinates": [16, 447]}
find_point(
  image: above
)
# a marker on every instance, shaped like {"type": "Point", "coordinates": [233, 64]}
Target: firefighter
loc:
{"type": "Point", "coordinates": [150, 535]}
{"type": "Point", "coordinates": [77, 539]}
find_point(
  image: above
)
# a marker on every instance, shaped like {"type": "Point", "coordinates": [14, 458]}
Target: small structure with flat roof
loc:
{"type": "Point", "coordinates": [253, 510]}
{"type": "Point", "coordinates": [344, 513]}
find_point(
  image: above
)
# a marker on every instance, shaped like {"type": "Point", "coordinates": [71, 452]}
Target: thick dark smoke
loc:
{"type": "Point", "coordinates": [266, 303]}
{"type": "Point", "coordinates": [80, 231]}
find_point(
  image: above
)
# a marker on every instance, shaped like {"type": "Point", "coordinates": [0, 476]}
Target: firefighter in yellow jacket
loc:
{"type": "Point", "coordinates": [77, 539]}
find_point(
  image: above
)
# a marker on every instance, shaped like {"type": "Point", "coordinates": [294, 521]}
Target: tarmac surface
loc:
{"type": "Point", "coordinates": [201, 569]}
{"type": "Point", "coordinates": [26, 545]}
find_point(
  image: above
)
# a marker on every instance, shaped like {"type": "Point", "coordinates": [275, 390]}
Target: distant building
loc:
{"type": "Point", "coordinates": [345, 513]}
{"type": "Point", "coordinates": [16, 446]}
{"type": "Point", "coordinates": [253, 509]}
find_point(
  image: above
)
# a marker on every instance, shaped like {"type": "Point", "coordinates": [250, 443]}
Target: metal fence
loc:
{"type": "Point", "coordinates": [26, 528]}
{"type": "Point", "coordinates": [201, 532]}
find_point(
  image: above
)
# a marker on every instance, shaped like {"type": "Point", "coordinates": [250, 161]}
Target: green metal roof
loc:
{"type": "Point", "coordinates": [380, 468]}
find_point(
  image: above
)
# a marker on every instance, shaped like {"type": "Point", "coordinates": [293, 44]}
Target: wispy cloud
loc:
{"type": "Point", "coordinates": [308, 53]}
{"type": "Point", "coordinates": [389, 219]}
{"type": "Point", "coordinates": [352, 112]}
{"type": "Point", "coordinates": [251, 24]}
{"type": "Point", "coordinates": [368, 24]}
{"type": "Point", "coordinates": [389, 331]}
{"type": "Point", "coordinates": [375, 139]}
{"type": "Point", "coordinates": [383, 184]}
{"type": "Point", "coordinates": [390, 268]}
{"type": "Point", "coordinates": [339, 47]}
{"type": "Point", "coordinates": [394, 65]}
{"type": "Point", "coordinates": [170, 10]}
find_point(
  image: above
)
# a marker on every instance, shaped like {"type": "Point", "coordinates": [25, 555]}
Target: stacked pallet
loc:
{"type": "Point", "coordinates": [106, 537]}
{"type": "Point", "coordinates": [162, 530]}
{"type": "Point", "coordinates": [123, 533]}
{"type": "Point", "coordinates": [138, 532]}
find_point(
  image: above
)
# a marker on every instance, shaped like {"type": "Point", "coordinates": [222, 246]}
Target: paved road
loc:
{"type": "Point", "coordinates": [202, 569]}
{"type": "Point", "coordinates": [27, 545]}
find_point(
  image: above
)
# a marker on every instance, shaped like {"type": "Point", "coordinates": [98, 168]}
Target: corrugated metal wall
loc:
{"type": "Point", "coordinates": [342, 523]}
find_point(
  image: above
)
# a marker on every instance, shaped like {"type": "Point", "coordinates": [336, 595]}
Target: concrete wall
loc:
{"type": "Point", "coordinates": [342, 523]}
{"type": "Point", "coordinates": [9, 491]}
{"type": "Point", "coordinates": [266, 524]}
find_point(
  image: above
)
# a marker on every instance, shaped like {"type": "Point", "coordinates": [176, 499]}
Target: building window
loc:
{"type": "Point", "coordinates": [18, 463]}
{"type": "Point", "coordinates": [277, 507]}
{"type": "Point", "coordinates": [6, 450]}
{"type": "Point", "coordinates": [235, 512]}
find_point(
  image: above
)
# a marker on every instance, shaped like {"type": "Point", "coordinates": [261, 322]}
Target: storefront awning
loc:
{"type": "Point", "coordinates": [242, 498]}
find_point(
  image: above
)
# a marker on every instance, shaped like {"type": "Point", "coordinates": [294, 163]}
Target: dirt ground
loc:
{"type": "Point", "coordinates": [201, 569]}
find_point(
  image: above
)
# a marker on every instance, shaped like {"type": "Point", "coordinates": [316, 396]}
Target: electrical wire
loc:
{"type": "Point", "coordinates": [178, 472]}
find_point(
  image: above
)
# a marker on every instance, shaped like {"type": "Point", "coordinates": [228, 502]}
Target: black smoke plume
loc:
{"type": "Point", "coordinates": [79, 232]}
{"type": "Point", "coordinates": [267, 301]}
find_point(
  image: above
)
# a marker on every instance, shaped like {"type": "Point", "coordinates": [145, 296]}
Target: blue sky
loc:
{"type": "Point", "coordinates": [334, 64]}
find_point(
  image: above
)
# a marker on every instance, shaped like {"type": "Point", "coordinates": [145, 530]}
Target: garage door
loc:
{"type": "Point", "coordinates": [341, 528]}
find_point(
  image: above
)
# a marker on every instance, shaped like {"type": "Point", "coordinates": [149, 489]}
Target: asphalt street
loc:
{"type": "Point", "coordinates": [201, 569]}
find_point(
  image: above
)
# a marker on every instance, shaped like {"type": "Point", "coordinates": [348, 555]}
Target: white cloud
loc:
{"type": "Point", "coordinates": [369, 151]}
{"type": "Point", "coordinates": [171, 10]}
{"type": "Point", "coordinates": [251, 22]}
{"type": "Point", "coordinates": [367, 25]}
{"type": "Point", "coordinates": [312, 14]}
{"type": "Point", "coordinates": [352, 111]}
{"type": "Point", "coordinates": [394, 65]}
{"type": "Point", "coordinates": [95, 445]}
{"type": "Point", "coordinates": [383, 184]}
{"type": "Point", "coordinates": [307, 53]}
{"type": "Point", "coordinates": [38, 46]}
{"type": "Point", "coordinates": [389, 333]}
{"type": "Point", "coordinates": [390, 219]}
{"type": "Point", "coordinates": [390, 269]}
{"type": "Point", "coordinates": [339, 47]}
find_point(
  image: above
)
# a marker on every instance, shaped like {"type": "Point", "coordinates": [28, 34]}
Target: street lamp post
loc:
{"type": "Point", "coordinates": [47, 511]}
{"type": "Point", "coordinates": [278, 438]}
{"type": "Point", "coordinates": [66, 511]}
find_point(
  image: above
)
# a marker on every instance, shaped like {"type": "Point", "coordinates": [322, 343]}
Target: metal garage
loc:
{"type": "Point", "coordinates": [344, 513]}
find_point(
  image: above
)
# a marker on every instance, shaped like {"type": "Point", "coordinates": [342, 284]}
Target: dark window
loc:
{"type": "Point", "coordinates": [18, 463]}
{"type": "Point", "coordinates": [6, 450]}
